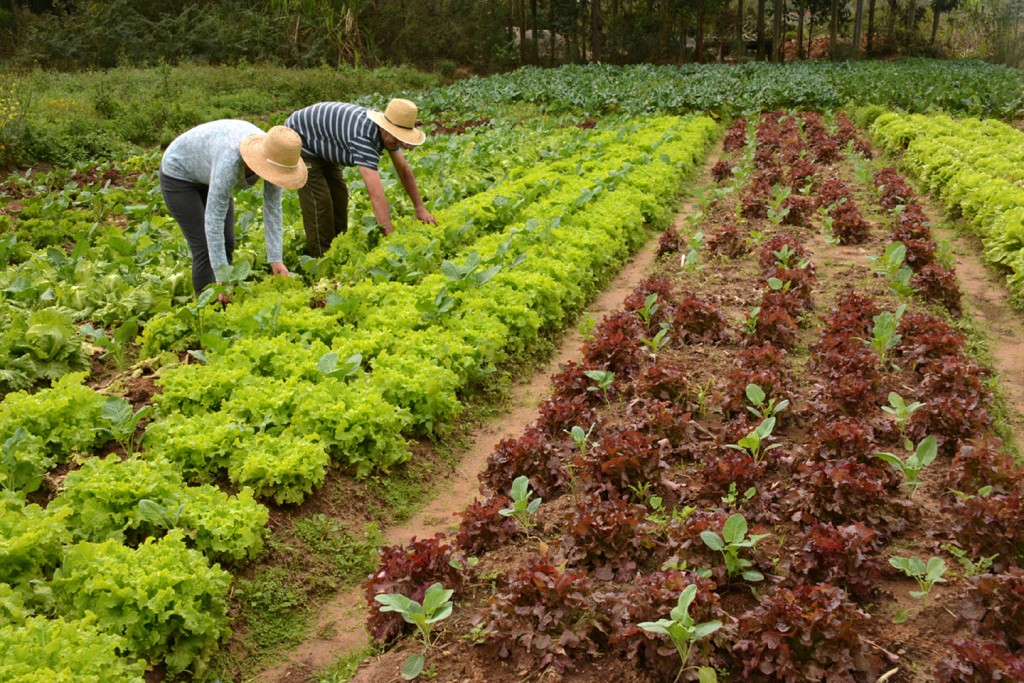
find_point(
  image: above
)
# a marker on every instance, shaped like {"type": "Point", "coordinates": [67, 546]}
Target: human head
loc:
{"type": "Point", "coordinates": [399, 119]}
{"type": "Point", "coordinates": [276, 156]}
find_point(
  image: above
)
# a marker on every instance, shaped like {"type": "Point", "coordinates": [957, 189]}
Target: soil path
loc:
{"type": "Point", "coordinates": [987, 300]}
{"type": "Point", "coordinates": [340, 624]}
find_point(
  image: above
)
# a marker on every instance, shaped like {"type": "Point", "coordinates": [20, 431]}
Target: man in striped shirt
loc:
{"type": "Point", "coordinates": [336, 134]}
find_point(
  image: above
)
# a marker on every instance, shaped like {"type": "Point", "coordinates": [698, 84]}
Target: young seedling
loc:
{"type": "Point", "coordinates": [759, 408]}
{"type": "Point", "coordinates": [123, 422]}
{"type": "Point", "coordinates": [586, 327]}
{"type": "Point", "coordinates": [753, 444]}
{"type": "Point", "coordinates": [650, 308]}
{"type": "Point", "coordinates": [658, 342]}
{"type": "Point", "coordinates": [733, 539]}
{"type": "Point", "coordinates": [926, 575]}
{"type": "Point", "coordinates": [437, 605]}
{"type": "Point", "coordinates": [581, 438]}
{"type": "Point", "coordinates": [702, 395]}
{"type": "Point", "coordinates": [884, 337]}
{"type": "Point", "coordinates": [825, 214]}
{"type": "Point", "coordinates": [604, 379]}
{"type": "Point", "coordinates": [776, 211]}
{"type": "Point", "coordinates": [777, 285]}
{"type": "Point", "coordinates": [901, 412]}
{"type": "Point", "coordinates": [523, 508]}
{"type": "Point", "coordinates": [912, 466]}
{"type": "Point", "coordinates": [683, 631]}
{"type": "Point", "coordinates": [733, 500]}
{"type": "Point", "coordinates": [969, 566]}
{"type": "Point", "coordinates": [116, 345]}
{"type": "Point", "coordinates": [693, 246]}
{"type": "Point", "coordinates": [749, 324]}
{"type": "Point", "coordinates": [785, 257]}
{"type": "Point", "coordinates": [891, 265]}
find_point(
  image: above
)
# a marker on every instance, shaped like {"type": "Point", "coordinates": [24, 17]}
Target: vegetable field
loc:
{"type": "Point", "coordinates": [785, 458]}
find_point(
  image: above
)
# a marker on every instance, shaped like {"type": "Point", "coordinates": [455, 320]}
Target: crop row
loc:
{"type": "Point", "coordinates": [977, 168]}
{"type": "Point", "coordinates": [280, 394]}
{"type": "Point", "coordinates": [627, 493]}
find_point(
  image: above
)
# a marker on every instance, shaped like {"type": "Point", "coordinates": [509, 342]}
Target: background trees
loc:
{"type": "Point", "coordinates": [491, 35]}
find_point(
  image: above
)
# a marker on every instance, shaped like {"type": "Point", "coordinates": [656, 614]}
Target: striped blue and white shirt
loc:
{"type": "Point", "coordinates": [338, 132]}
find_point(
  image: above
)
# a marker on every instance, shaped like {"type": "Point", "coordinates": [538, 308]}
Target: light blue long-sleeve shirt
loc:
{"type": "Point", "coordinates": [209, 155]}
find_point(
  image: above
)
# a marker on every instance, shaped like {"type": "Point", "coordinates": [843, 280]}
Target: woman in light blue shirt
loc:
{"type": "Point", "coordinates": [199, 172]}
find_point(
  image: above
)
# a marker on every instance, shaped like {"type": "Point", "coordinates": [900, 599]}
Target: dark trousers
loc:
{"type": "Point", "coordinates": [324, 203]}
{"type": "Point", "coordinates": [186, 202]}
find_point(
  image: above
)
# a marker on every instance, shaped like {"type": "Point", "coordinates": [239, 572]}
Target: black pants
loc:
{"type": "Point", "coordinates": [186, 202]}
{"type": "Point", "coordinates": [324, 203]}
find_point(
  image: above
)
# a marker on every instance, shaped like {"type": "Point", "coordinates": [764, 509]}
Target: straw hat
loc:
{"type": "Point", "coordinates": [275, 156]}
{"type": "Point", "coordinates": [399, 119]}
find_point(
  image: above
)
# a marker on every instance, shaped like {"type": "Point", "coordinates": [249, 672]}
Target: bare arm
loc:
{"type": "Point", "coordinates": [379, 202]}
{"type": "Point", "coordinates": [405, 174]}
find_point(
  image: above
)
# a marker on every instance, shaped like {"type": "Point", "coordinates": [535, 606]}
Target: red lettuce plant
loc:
{"type": "Point", "coordinates": [652, 597]}
{"type": "Point", "coordinates": [697, 318]}
{"type": "Point", "coordinates": [560, 413]}
{"type": "Point", "coordinates": [616, 345]}
{"type": "Point", "coordinates": [534, 455]}
{"type": "Point", "coordinates": [979, 661]}
{"type": "Point", "coordinates": [808, 633]}
{"type": "Point", "coordinates": [625, 457]}
{"type": "Point", "coordinates": [670, 241]}
{"type": "Point", "coordinates": [547, 614]}
{"type": "Point", "coordinates": [991, 525]}
{"type": "Point", "coordinates": [728, 241]}
{"type": "Point", "coordinates": [606, 533]}
{"type": "Point", "coordinates": [995, 603]}
{"type": "Point", "coordinates": [722, 170]}
{"type": "Point", "coordinates": [939, 285]}
{"type": "Point", "coordinates": [982, 463]}
{"type": "Point", "coordinates": [483, 528]}
{"type": "Point", "coordinates": [845, 556]}
{"type": "Point", "coordinates": [736, 137]}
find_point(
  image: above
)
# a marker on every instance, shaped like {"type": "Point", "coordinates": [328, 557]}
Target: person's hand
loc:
{"type": "Point", "coordinates": [278, 268]}
{"type": "Point", "coordinates": [223, 298]}
{"type": "Point", "coordinates": [425, 216]}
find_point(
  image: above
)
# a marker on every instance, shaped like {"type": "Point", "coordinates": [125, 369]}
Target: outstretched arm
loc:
{"type": "Point", "coordinates": [379, 202]}
{"type": "Point", "coordinates": [405, 174]}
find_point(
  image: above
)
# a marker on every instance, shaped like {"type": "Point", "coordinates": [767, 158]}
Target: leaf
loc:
{"type": "Point", "coordinates": [413, 667]}
{"type": "Point", "coordinates": [735, 528]}
{"type": "Point", "coordinates": [706, 674]}
{"type": "Point", "coordinates": [712, 540]}
{"type": "Point", "coordinates": [926, 451]}
{"type": "Point", "coordinates": [706, 629]}
{"type": "Point", "coordinates": [116, 411]}
{"type": "Point", "coordinates": [901, 616]}
{"type": "Point", "coordinates": [755, 394]}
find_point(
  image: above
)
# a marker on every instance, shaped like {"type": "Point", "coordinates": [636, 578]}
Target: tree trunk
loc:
{"type": "Point", "coordinates": [740, 45]}
{"type": "Point", "coordinates": [760, 29]}
{"type": "Point", "coordinates": [912, 15]}
{"type": "Point", "coordinates": [595, 30]}
{"type": "Point", "coordinates": [800, 54]}
{"type": "Point", "coordinates": [858, 23]}
{"type": "Point", "coordinates": [871, 27]}
{"type": "Point", "coordinates": [935, 23]}
{"type": "Point", "coordinates": [521, 15]}
{"type": "Point", "coordinates": [890, 22]}
{"type": "Point", "coordinates": [699, 43]}
{"type": "Point", "coordinates": [833, 29]}
{"type": "Point", "coordinates": [810, 37]}
{"type": "Point", "coordinates": [534, 22]}
{"type": "Point", "coordinates": [778, 49]}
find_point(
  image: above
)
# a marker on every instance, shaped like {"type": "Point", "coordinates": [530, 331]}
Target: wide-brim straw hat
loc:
{"type": "Point", "coordinates": [276, 156]}
{"type": "Point", "coordinates": [399, 119]}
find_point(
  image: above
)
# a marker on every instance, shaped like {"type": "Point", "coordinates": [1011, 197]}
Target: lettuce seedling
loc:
{"type": "Point", "coordinates": [759, 408]}
{"type": "Point", "coordinates": [912, 466]}
{"type": "Point", "coordinates": [733, 539]}
{"type": "Point", "coordinates": [523, 508]}
{"type": "Point", "coordinates": [683, 631]}
{"type": "Point", "coordinates": [753, 443]}
{"type": "Point", "coordinates": [901, 412]}
{"type": "Point", "coordinates": [926, 575]}
{"type": "Point", "coordinates": [437, 605]}
{"type": "Point", "coordinates": [604, 379]}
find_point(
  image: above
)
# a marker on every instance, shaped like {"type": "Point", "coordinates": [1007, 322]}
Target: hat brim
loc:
{"type": "Point", "coordinates": [251, 148]}
{"type": "Point", "coordinates": [413, 136]}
